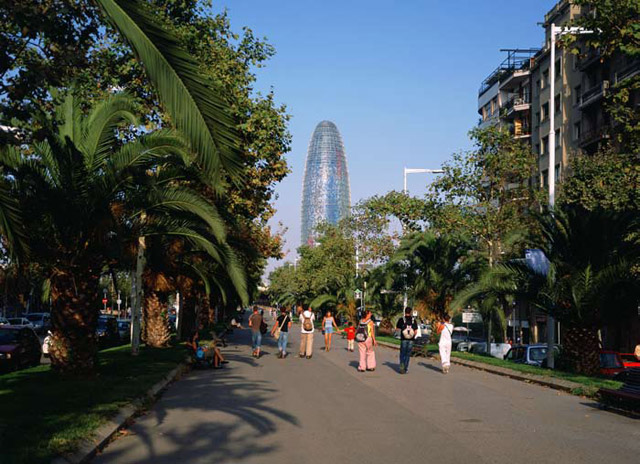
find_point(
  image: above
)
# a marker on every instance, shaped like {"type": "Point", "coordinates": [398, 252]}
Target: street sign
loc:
{"type": "Point", "coordinates": [471, 318]}
{"type": "Point", "coordinates": [358, 294]}
{"type": "Point", "coordinates": [104, 301]}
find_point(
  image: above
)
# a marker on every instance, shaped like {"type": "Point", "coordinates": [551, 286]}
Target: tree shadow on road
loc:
{"type": "Point", "coordinates": [230, 414]}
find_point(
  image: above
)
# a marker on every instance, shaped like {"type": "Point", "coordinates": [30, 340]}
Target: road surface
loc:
{"type": "Point", "coordinates": [323, 410]}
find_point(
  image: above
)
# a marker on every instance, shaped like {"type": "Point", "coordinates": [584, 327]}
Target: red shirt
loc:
{"type": "Point", "coordinates": [351, 333]}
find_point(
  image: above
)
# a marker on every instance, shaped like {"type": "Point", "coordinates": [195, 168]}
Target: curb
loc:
{"type": "Point", "coordinates": [88, 449]}
{"type": "Point", "coordinates": [557, 384]}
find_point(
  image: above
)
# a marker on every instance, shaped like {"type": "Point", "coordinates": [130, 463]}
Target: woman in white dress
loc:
{"type": "Point", "coordinates": [445, 329]}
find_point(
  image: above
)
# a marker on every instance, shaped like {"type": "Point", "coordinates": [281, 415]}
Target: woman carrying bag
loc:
{"type": "Point", "coordinates": [280, 331]}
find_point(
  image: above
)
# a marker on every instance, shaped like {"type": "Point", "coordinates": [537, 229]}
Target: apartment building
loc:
{"type": "Point", "coordinates": [517, 95]}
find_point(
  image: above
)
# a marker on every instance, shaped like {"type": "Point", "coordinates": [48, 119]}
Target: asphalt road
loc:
{"type": "Point", "coordinates": [323, 411]}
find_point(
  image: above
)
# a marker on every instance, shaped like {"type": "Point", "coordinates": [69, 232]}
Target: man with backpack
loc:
{"type": "Point", "coordinates": [306, 332]}
{"type": "Point", "coordinates": [256, 323]}
{"type": "Point", "coordinates": [408, 328]}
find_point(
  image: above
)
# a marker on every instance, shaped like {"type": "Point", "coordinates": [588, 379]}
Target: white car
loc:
{"type": "Point", "coordinates": [498, 350]}
{"type": "Point", "coordinates": [4, 321]}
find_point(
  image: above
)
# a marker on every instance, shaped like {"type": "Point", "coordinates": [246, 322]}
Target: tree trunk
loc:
{"type": "Point", "coordinates": [581, 349]}
{"type": "Point", "coordinates": [156, 324]}
{"type": "Point", "coordinates": [489, 330]}
{"type": "Point", "coordinates": [74, 317]}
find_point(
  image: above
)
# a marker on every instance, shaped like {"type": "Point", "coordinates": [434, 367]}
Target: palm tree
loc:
{"type": "Point", "coordinates": [591, 277]}
{"type": "Point", "coordinates": [438, 266]}
{"type": "Point", "coordinates": [85, 195]}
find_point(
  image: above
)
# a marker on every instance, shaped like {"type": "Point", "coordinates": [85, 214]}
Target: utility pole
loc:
{"type": "Point", "coordinates": [405, 299]}
{"type": "Point", "coordinates": [551, 170]}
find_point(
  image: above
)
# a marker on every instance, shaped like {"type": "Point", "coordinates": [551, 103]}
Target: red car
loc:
{"type": "Point", "coordinates": [610, 363]}
{"type": "Point", "coordinates": [629, 360]}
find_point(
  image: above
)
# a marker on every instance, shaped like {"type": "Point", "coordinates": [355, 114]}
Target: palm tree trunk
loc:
{"type": "Point", "coordinates": [581, 347]}
{"type": "Point", "coordinates": [74, 316]}
{"type": "Point", "coordinates": [156, 324]}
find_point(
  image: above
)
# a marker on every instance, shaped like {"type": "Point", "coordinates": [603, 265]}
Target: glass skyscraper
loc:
{"type": "Point", "coordinates": [326, 196]}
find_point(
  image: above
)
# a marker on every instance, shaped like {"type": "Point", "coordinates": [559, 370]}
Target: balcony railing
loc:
{"type": "Point", "coordinates": [516, 103]}
{"type": "Point", "coordinates": [628, 71]}
{"type": "Point", "coordinates": [594, 94]}
{"type": "Point", "coordinates": [593, 135]}
{"type": "Point", "coordinates": [591, 57]}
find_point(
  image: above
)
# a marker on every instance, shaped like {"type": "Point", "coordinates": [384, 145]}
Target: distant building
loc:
{"type": "Point", "coordinates": [326, 196]}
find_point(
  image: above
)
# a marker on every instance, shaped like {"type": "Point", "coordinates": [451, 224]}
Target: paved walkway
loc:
{"type": "Point", "coordinates": [323, 411]}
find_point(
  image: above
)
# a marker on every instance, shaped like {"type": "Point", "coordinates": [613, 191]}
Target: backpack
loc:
{"type": "Point", "coordinates": [263, 327]}
{"type": "Point", "coordinates": [408, 333]}
{"type": "Point", "coordinates": [307, 324]}
{"type": "Point", "coordinates": [362, 333]}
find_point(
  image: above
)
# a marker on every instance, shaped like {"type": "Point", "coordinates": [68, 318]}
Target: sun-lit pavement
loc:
{"type": "Point", "coordinates": [322, 410]}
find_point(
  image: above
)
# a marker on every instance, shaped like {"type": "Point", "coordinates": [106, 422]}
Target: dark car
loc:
{"type": "Point", "coordinates": [124, 329]}
{"type": "Point", "coordinates": [19, 348]}
{"type": "Point", "coordinates": [107, 331]}
{"type": "Point", "coordinates": [41, 322]}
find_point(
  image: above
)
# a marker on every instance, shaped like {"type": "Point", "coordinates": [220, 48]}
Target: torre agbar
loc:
{"type": "Point", "coordinates": [326, 196]}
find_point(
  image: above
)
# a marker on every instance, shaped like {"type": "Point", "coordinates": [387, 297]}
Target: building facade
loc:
{"type": "Point", "coordinates": [326, 196]}
{"type": "Point", "coordinates": [517, 95]}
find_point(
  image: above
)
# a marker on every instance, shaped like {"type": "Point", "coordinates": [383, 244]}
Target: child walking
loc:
{"type": "Point", "coordinates": [351, 336]}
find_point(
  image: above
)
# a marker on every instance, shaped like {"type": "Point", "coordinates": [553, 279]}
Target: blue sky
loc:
{"type": "Point", "coordinates": [399, 79]}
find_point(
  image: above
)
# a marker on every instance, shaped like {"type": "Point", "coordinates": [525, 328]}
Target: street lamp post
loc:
{"type": "Point", "coordinates": [405, 300]}
{"type": "Point", "coordinates": [416, 171]}
{"type": "Point", "coordinates": [551, 170]}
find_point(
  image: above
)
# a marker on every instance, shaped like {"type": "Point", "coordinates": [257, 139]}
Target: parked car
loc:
{"type": "Point", "coordinates": [629, 360]}
{"type": "Point", "coordinates": [4, 321]}
{"type": "Point", "coordinates": [498, 350]}
{"type": "Point", "coordinates": [459, 335]}
{"type": "Point", "coordinates": [107, 331]}
{"type": "Point", "coordinates": [40, 321]}
{"type": "Point", "coordinates": [610, 363]}
{"type": "Point", "coordinates": [19, 347]}
{"type": "Point", "coordinates": [533, 355]}
{"type": "Point", "coordinates": [124, 329]}
{"type": "Point", "coordinates": [23, 321]}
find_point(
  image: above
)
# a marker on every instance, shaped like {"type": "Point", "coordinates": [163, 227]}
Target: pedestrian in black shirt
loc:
{"type": "Point", "coordinates": [408, 327]}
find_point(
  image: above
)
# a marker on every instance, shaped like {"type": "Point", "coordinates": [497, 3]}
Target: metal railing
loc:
{"type": "Point", "coordinates": [594, 93]}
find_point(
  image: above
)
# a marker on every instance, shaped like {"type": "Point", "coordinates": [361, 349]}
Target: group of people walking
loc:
{"type": "Point", "coordinates": [363, 333]}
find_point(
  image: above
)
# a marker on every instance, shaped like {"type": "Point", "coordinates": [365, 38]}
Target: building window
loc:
{"type": "Point", "coordinates": [544, 178]}
{"type": "Point", "coordinates": [558, 138]}
{"type": "Point", "coordinates": [537, 152]}
{"type": "Point", "coordinates": [545, 79]}
{"type": "Point", "coordinates": [545, 111]}
{"type": "Point", "coordinates": [538, 118]}
{"type": "Point", "coordinates": [536, 90]}
{"type": "Point", "coordinates": [558, 68]}
{"type": "Point", "coordinates": [577, 91]}
{"type": "Point", "coordinates": [545, 145]}
{"type": "Point", "coordinates": [557, 172]}
{"type": "Point", "coordinates": [577, 131]}
{"type": "Point", "coordinates": [557, 104]}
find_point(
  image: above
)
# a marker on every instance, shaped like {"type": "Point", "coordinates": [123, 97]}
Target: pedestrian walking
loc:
{"type": "Point", "coordinates": [365, 336]}
{"type": "Point", "coordinates": [280, 331]}
{"type": "Point", "coordinates": [445, 329]}
{"type": "Point", "coordinates": [328, 324]}
{"type": "Point", "coordinates": [636, 352]}
{"type": "Point", "coordinates": [408, 327]}
{"type": "Point", "coordinates": [351, 336]}
{"type": "Point", "coordinates": [306, 332]}
{"type": "Point", "coordinates": [255, 323]}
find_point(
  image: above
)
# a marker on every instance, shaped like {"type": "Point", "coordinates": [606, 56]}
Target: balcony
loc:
{"type": "Point", "coordinates": [515, 79]}
{"type": "Point", "coordinates": [592, 136]}
{"type": "Point", "coordinates": [589, 59]}
{"type": "Point", "coordinates": [628, 71]}
{"type": "Point", "coordinates": [593, 94]}
{"type": "Point", "coordinates": [516, 104]}
{"type": "Point", "coordinates": [520, 129]}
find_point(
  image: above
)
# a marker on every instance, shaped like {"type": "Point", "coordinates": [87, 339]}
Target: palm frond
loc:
{"type": "Point", "coordinates": [197, 106]}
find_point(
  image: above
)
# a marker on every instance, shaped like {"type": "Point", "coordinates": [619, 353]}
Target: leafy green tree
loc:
{"type": "Point", "coordinates": [591, 279]}
{"type": "Point", "coordinates": [607, 180]}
